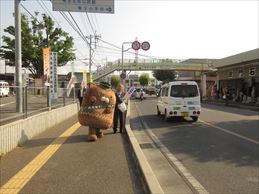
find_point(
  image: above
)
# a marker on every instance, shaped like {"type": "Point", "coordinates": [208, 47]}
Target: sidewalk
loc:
{"type": "Point", "coordinates": [77, 166]}
{"type": "Point", "coordinates": [253, 106]}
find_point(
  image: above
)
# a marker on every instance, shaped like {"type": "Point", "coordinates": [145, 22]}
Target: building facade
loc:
{"type": "Point", "coordinates": [240, 73]}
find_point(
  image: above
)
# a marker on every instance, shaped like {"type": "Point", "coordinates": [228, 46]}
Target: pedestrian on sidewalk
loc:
{"type": "Point", "coordinates": [226, 95]}
{"type": "Point", "coordinates": [81, 93]}
{"type": "Point", "coordinates": [118, 114]}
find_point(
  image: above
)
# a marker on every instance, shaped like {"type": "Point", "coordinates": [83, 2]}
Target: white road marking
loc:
{"type": "Point", "coordinates": [179, 167]}
{"type": "Point", "coordinates": [7, 104]}
{"type": "Point", "coordinates": [251, 117]}
{"type": "Point", "coordinates": [230, 132]}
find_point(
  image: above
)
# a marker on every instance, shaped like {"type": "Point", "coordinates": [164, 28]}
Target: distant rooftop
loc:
{"type": "Point", "coordinates": [252, 55]}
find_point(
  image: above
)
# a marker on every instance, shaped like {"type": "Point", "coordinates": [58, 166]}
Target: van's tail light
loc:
{"type": "Point", "coordinates": [171, 112]}
{"type": "Point", "coordinates": [175, 113]}
{"type": "Point", "coordinates": [194, 112]}
{"type": "Point", "coordinates": [198, 112]}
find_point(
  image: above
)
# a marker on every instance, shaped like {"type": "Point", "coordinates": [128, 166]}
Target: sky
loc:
{"type": "Point", "coordinates": [175, 29]}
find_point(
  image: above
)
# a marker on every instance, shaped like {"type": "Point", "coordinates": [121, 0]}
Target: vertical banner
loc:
{"type": "Point", "coordinates": [46, 66]}
{"type": "Point", "coordinates": [84, 81]}
{"type": "Point", "coordinates": [71, 83]}
{"type": "Point", "coordinates": [53, 77]}
{"type": "Point", "coordinates": [91, 78]}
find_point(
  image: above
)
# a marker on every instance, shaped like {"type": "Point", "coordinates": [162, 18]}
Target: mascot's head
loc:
{"type": "Point", "coordinates": [98, 106]}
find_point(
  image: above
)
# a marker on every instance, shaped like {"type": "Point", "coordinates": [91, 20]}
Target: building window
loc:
{"type": "Point", "coordinates": [230, 74]}
{"type": "Point", "coordinates": [240, 73]}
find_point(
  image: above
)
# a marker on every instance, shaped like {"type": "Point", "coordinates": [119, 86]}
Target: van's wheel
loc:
{"type": "Point", "coordinates": [166, 116]}
{"type": "Point", "coordinates": [158, 112]}
{"type": "Point", "coordinates": [194, 119]}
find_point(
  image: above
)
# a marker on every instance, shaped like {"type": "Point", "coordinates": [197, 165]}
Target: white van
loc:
{"type": "Point", "coordinates": [179, 99]}
{"type": "Point", "coordinates": [4, 89]}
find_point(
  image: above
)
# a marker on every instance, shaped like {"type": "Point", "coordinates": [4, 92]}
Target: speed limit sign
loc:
{"type": "Point", "coordinates": [135, 45]}
{"type": "Point", "coordinates": [145, 45]}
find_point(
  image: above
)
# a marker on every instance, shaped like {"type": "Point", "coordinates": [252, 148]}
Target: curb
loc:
{"type": "Point", "coordinates": [148, 176]}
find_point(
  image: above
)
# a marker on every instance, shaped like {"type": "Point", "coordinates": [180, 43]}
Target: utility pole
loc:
{"type": "Point", "coordinates": [18, 56]}
{"type": "Point", "coordinates": [90, 57]}
{"type": "Point", "coordinates": [90, 51]}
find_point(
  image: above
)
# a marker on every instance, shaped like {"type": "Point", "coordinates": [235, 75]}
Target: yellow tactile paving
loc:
{"type": "Point", "coordinates": [18, 181]}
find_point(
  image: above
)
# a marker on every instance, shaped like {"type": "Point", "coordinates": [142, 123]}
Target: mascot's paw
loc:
{"type": "Point", "coordinates": [100, 134]}
{"type": "Point", "coordinates": [92, 138]}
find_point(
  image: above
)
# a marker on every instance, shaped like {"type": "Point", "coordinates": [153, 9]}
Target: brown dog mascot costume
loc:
{"type": "Point", "coordinates": [97, 109]}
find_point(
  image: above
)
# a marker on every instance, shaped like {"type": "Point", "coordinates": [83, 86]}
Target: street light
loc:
{"type": "Point", "coordinates": [122, 51]}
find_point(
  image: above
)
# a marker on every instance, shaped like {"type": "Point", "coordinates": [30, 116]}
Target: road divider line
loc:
{"type": "Point", "coordinates": [195, 186]}
{"type": "Point", "coordinates": [7, 104]}
{"type": "Point", "coordinates": [230, 132]}
{"type": "Point", "coordinates": [20, 179]}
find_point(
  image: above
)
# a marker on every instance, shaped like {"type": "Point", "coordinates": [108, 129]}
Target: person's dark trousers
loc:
{"type": "Point", "coordinates": [118, 115]}
{"type": "Point", "coordinates": [80, 101]}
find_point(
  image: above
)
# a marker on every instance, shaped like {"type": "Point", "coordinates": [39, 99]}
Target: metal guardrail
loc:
{"type": "Point", "coordinates": [34, 100]}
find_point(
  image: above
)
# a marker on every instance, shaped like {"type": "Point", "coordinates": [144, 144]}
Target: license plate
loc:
{"type": "Point", "coordinates": [184, 114]}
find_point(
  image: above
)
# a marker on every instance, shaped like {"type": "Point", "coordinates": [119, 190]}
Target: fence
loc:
{"type": "Point", "coordinates": [34, 100]}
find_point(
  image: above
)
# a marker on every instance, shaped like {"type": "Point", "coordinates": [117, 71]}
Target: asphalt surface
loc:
{"type": "Point", "coordinates": [78, 166]}
{"type": "Point", "coordinates": [220, 150]}
{"type": "Point", "coordinates": [35, 104]}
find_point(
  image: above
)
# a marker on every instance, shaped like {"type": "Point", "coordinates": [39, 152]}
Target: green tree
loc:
{"type": "Point", "coordinates": [164, 75]}
{"type": "Point", "coordinates": [35, 36]}
{"type": "Point", "coordinates": [144, 79]}
{"type": "Point", "coordinates": [115, 80]}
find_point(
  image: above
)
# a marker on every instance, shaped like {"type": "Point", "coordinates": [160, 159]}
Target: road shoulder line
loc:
{"type": "Point", "coordinates": [178, 166]}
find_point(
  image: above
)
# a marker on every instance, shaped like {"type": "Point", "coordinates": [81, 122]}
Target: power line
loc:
{"type": "Point", "coordinates": [30, 13]}
{"type": "Point", "coordinates": [90, 22]}
{"type": "Point", "coordinates": [72, 25]}
{"type": "Point", "coordinates": [98, 27]}
{"type": "Point", "coordinates": [113, 45]}
{"type": "Point", "coordinates": [46, 10]}
{"type": "Point", "coordinates": [84, 22]}
{"type": "Point", "coordinates": [79, 29]}
{"type": "Point", "coordinates": [93, 23]}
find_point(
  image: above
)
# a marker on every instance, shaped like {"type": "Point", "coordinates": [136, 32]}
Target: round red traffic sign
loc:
{"type": "Point", "coordinates": [135, 45]}
{"type": "Point", "coordinates": [145, 45]}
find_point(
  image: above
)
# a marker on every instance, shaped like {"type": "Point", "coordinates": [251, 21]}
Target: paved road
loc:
{"type": "Point", "coordinates": [77, 166]}
{"type": "Point", "coordinates": [220, 150]}
{"type": "Point", "coordinates": [35, 104]}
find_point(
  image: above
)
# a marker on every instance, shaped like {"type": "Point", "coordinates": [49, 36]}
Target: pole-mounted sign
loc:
{"type": "Point", "coordinates": [135, 45]}
{"type": "Point", "coordinates": [145, 46]}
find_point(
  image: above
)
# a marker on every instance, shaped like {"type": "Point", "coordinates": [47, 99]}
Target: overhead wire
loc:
{"type": "Point", "coordinates": [46, 9]}
{"type": "Point", "coordinates": [90, 22]}
{"type": "Point", "coordinates": [98, 27]}
{"type": "Point", "coordinates": [91, 16]}
{"type": "Point", "coordinates": [84, 22]}
{"type": "Point", "coordinates": [29, 13]}
{"type": "Point", "coordinates": [79, 29]}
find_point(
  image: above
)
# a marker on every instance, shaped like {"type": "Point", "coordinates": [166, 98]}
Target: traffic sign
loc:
{"type": "Point", "coordinates": [123, 75]}
{"type": "Point", "coordinates": [90, 6]}
{"type": "Point", "coordinates": [135, 45]}
{"type": "Point", "coordinates": [145, 45]}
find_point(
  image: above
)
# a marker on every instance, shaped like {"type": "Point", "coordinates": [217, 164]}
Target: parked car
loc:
{"type": "Point", "coordinates": [179, 99]}
{"type": "Point", "coordinates": [4, 89]}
